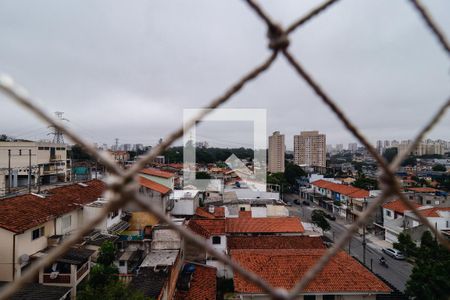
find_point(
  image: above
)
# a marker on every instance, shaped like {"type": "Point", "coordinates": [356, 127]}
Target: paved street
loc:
{"type": "Point", "coordinates": [397, 273]}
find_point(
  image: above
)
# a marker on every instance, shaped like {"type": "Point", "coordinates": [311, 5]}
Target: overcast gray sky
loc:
{"type": "Point", "coordinates": [127, 69]}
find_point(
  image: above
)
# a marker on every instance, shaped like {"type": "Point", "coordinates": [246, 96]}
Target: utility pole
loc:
{"type": "Point", "coordinates": [9, 171]}
{"type": "Point", "coordinates": [29, 171]}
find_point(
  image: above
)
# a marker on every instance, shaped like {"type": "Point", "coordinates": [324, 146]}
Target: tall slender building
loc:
{"type": "Point", "coordinates": [277, 149]}
{"type": "Point", "coordinates": [310, 149]}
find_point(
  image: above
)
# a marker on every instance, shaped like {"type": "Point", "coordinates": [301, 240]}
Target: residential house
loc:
{"type": "Point", "coordinates": [196, 281]}
{"type": "Point", "coordinates": [27, 221]}
{"type": "Point", "coordinates": [343, 200]}
{"type": "Point", "coordinates": [69, 270]}
{"type": "Point", "coordinates": [394, 222]}
{"type": "Point", "coordinates": [158, 273]}
{"type": "Point", "coordinates": [342, 278]}
{"type": "Point", "coordinates": [185, 202]}
{"type": "Point", "coordinates": [217, 231]}
{"type": "Point", "coordinates": [162, 177]}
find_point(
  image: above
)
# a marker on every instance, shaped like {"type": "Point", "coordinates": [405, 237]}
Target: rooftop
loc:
{"type": "Point", "coordinates": [207, 227]}
{"type": "Point", "coordinates": [149, 281]}
{"type": "Point", "coordinates": [202, 212]}
{"type": "Point", "coordinates": [343, 189]}
{"type": "Point", "coordinates": [201, 286]}
{"type": "Point", "coordinates": [36, 291]}
{"type": "Point", "coordinates": [422, 189]}
{"type": "Point", "coordinates": [27, 211]}
{"type": "Point", "coordinates": [275, 242]}
{"type": "Point", "coordinates": [157, 173]}
{"type": "Point", "coordinates": [398, 206]}
{"type": "Point", "coordinates": [160, 258]}
{"type": "Point", "coordinates": [264, 225]}
{"type": "Point", "coordinates": [342, 274]}
{"type": "Point", "coordinates": [150, 184]}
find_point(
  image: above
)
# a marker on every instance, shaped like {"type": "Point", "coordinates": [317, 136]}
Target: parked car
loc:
{"type": "Point", "coordinates": [394, 253]}
{"type": "Point", "coordinates": [306, 203]}
{"type": "Point", "coordinates": [330, 217]}
{"type": "Point", "coordinates": [296, 201]}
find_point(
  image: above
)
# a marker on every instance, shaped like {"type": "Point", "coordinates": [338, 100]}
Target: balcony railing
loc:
{"type": "Point", "coordinates": [82, 270]}
{"type": "Point", "coordinates": [61, 278]}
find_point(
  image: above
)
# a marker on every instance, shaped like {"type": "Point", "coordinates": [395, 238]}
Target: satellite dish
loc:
{"type": "Point", "coordinates": [24, 259]}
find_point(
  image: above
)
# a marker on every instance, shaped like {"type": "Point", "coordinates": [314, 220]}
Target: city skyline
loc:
{"type": "Point", "coordinates": [80, 68]}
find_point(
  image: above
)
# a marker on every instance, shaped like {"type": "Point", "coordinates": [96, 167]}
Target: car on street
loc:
{"type": "Point", "coordinates": [296, 201]}
{"type": "Point", "coordinates": [330, 217]}
{"type": "Point", "coordinates": [306, 203]}
{"type": "Point", "coordinates": [394, 253]}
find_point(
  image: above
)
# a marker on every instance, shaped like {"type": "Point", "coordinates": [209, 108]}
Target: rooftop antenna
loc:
{"type": "Point", "coordinates": [58, 137]}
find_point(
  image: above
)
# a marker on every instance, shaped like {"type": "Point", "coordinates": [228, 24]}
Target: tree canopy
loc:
{"type": "Point", "coordinates": [103, 282]}
{"type": "Point", "coordinates": [318, 218]}
{"type": "Point", "coordinates": [430, 278]}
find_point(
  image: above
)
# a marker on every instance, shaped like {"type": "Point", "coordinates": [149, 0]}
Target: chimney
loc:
{"type": "Point", "coordinates": [211, 209]}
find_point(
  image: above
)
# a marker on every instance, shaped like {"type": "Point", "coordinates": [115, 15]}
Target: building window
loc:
{"type": "Point", "coordinates": [216, 240]}
{"type": "Point", "coordinates": [37, 233]}
{"type": "Point", "coordinates": [66, 222]}
{"type": "Point", "coordinates": [328, 297]}
{"type": "Point", "coordinates": [388, 213]}
{"type": "Point", "coordinates": [428, 201]}
{"type": "Point", "coordinates": [121, 263]}
{"type": "Point", "coordinates": [242, 208]}
{"type": "Point", "coordinates": [309, 297]}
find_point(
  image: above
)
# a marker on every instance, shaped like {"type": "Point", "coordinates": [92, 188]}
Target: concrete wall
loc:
{"type": "Point", "coordinates": [6, 255]}
{"type": "Point", "coordinates": [25, 245]}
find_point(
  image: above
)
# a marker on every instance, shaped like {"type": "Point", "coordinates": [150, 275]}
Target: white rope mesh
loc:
{"type": "Point", "coordinates": [122, 186]}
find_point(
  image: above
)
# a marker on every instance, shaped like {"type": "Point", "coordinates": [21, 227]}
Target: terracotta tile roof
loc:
{"type": "Point", "coordinates": [245, 214]}
{"type": "Point", "coordinates": [398, 206]}
{"type": "Point", "coordinates": [207, 227]}
{"type": "Point", "coordinates": [275, 242]}
{"type": "Point", "coordinates": [162, 189]}
{"type": "Point", "coordinates": [283, 268]}
{"type": "Point", "coordinates": [343, 189]}
{"type": "Point", "coordinates": [157, 173]}
{"type": "Point", "coordinates": [27, 211]}
{"type": "Point", "coordinates": [202, 212]}
{"type": "Point", "coordinates": [433, 212]}
{"type": "Point", "coordinates": [202, 285]}
{"type": "Point", "coordinates": [422, 189]}
{"type": "Point", "coordinates": [264, 225]}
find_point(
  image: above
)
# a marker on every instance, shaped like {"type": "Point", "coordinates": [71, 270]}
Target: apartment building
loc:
{"type": "Point", "coordinates": [310, 149]}
{"type": "Point", "coordinates": [277, 149]}
{"type": "Point", "coordinates": [27, 162]}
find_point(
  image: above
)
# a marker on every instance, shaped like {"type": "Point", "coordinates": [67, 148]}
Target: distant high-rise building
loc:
{"type": "Point", "coordinates": [394, 143]}
{"type": "Point", "coordinates": [339, 147]}
{"type": "Point", "coordinates": [387, 144]}
{"type": "Point", "coordinates": [380, 146]}
{"type": "Point", "coordinates": [310, 149]}
{"type": "Point", "coordinates": [353, 147]}
{"type": "Point", "coordinates": [277, 149]}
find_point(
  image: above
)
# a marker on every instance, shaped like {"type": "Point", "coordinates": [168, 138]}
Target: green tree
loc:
{"type": "Point", "coordinates": [406, 245]}
{"type": "Point", "coordinates": [292, 172]}
{"type": "Point", "coordinates": [202, 175]}
{"type": "Point", "coordinates": [103, 282]}
{"type": "Point", "coordinates": [318, 218]}
{"type": "Point", "coordinates": [440, 168]}
{"type": "Point", "coordinates": [389, 154]}
{"type": "Point", "coordinates": [430, 278]}
{"type": "Point", "coordinates": [365, 183]}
